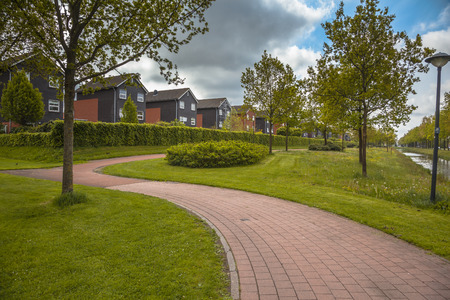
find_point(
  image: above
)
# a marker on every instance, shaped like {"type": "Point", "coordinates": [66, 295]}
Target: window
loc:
{"type": "Point", "coordinates": [120, 113]}
{"type": "Point", "coordinates": [193, 121]}
{"type": "Point", "coordinates": [181, 104]}
{"type": "Point", "coordinates": [53, 82]}
{"type": "Point", "coordinates": [253, 118]}
{"type": "Point", "coordinates": [193, 106]}
{"type": "Point", "coordinates": [140, 115]}
{"type": "Point", "coordinates": [183, 119]}
{"type": "Point", "coordinates": [140, 97]}
{"type": "Point", "coordinates": [53, 105]}
{"type": "Point", "coordinates": [28, 75]}
{"type": "Point", "coordinates": [122, 94]}
{"type": "Point", "coordinates": [220, 124]}
{"type": "Point", "coordinates": [220, 112]}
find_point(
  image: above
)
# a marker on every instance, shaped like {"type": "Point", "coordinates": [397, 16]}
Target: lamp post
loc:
{"type": "Point", "coordinates": [438, 60]}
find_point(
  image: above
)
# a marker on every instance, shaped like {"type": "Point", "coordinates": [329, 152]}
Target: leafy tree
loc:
{"type": "Point", "coordinates": [373, 69]}
{"type": "Point", "coordinates": [267, 87]}
{"type": "Point", "coordinates": [233, 121]}
{"type": "Point", "coordinates": [87, 39]}
{"type": "Point", "coordinates": [129, 112]}
{"type": "Point", "coordinates": [20, 102]}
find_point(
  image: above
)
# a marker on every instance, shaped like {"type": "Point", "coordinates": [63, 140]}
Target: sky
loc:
{"type": "Point", "coordinates": [240, 31]}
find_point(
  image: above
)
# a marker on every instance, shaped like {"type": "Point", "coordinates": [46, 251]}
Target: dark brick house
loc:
{"type": "Point", "coordinates": [211, 113]}
{"type": "Point", "coordinates": [247, 117]}
{"type": "Point", "coordinates": [168, 105]}
{"type": "Point", "coordinates": [106, 102]}
{"type": "Point", "coordinates": [53, 107]}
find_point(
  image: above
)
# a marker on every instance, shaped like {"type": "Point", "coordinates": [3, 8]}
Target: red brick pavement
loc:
{"type": "Point", "coordinates": [284, 250]}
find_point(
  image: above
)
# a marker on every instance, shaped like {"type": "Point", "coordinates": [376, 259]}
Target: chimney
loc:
{"type": "Point", "coordinates": [155, 92]}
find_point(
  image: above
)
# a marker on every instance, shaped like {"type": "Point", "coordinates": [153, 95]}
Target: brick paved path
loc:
{"type": "Point", "coordinates": [284, 250]}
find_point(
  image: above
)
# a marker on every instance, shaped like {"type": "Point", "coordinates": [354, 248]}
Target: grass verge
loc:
{"type": "Point", "coordinates": [115, 245]}
{"type": "Point", "coordinates": [39, 157]}
{"type": "Point", "coordinates": [393, 198]}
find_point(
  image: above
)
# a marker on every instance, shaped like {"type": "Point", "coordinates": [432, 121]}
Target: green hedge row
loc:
{"type": "Point", "coordinates": [121, 134]}
{"type": "Point", "coordinates": [215, 154]}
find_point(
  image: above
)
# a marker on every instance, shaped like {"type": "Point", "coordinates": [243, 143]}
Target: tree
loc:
{"type": "Point", "coordinates": [233, 121]}
{"type": "Point", "coordinates": [266, 87]}
{"type": "Point", "coordinates": [129, 112]}
{"type": "Point", "coordinates": [373, 69]}
{"type": "Point", "coordinates": [20, 102]}
{"type": "Point", "coordinates": [87, 39]}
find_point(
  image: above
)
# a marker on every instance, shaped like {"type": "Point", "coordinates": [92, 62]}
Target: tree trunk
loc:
{"type": "Point", "coordinates": [287, 135]}
{"type": "Point", "coordinates": [342, 141]}
{"type": "Point", "coordinates": [325, 136]}
{"type": "Point", "coordinates": [360, 136]}
{"type": "Point", "coordinates": [364, 145]}
{"type": "Point", "coordinates": [69, 86]}
{"type": "Point", "coordinates": [270, 138]}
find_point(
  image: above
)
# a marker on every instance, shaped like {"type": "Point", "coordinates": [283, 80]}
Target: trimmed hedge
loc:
{"type": "Point", "coordinates": [215, 154]}
{"type": "Point", "coordinates": [329, 147]}
{"type": "Point", "coordinates": [90, 134]}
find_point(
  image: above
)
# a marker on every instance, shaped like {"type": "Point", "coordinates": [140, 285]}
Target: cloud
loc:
{"type": "Point", "coordinates": [239, 32]}
{"type": "Point", "coordinates": [439, 40]}
{"type": "Point", "coordinates": [442, 21]}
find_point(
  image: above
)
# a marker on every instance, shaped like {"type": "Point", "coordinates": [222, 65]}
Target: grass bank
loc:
{"type": "Point", "coordinates": [444, 154]}
{"type": "Point", "coordinates": [41, 157]}
{"type": "Point", "coordinates": [393, 198]}
{"type": "Point", "coordinates": [117, 245]}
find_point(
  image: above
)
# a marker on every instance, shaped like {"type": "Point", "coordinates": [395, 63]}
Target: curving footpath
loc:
{"type": "Point", "coordinates": [285, 250]}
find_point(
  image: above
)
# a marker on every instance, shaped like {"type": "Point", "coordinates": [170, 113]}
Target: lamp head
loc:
{"type": "Point", "coordinates": [438, 60]}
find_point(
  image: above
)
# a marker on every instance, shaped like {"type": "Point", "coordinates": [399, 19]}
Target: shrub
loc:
{"type": "Point", "coordinates": [329, 147]}
{"type": "Point", "coordinates": [215, 154]}
{"type": "Point", "coordinates": [351, 145]}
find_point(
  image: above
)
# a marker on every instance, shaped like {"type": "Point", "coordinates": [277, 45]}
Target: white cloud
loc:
{"type": "Point", "coordinates": [442, 21]}
{"type": "Point", "coordinates": [298, 59]}
{"type": "Point", "coordinates": [439, 40]}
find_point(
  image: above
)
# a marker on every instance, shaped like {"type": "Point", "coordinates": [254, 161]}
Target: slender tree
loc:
{"type": "Point", "coordinates": [129, 112]}
{"type": "Point", "coordinates": [21, 103]}
{"type": "Point", "coordinates": [374, 68]}
{"type": "Point", "coordinates": [87, 39]}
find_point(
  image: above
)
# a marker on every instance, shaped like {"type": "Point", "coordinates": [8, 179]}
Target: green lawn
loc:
{"type": "Point", "coordinates": [39, 157]}
{"type": "Point", "coordinates": [117, 245]}
{"type": "Point", "coordinates": [444, 154]}
{"type": "Point", "coordinates": [394, 198]}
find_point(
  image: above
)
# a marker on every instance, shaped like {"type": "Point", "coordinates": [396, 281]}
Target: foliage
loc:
{"type": "Point", "coordinates": [394, 197]}
{"type": "Point", "coordinates": [85, 40]}
{"type": "Point", "coordinates": [270, 88]}
{"type": "Point", "coordinates": [371, 70]}
{"type": "Point", "coordinates": [233, 121]}
{"type": "Point", "coordinates": [175, 122]}
{"type": "Point", "coordinates": [116, 245]}
{"type": "Point", "coordinates": [21, 103]}
{"type": "Point", "coordinates": [328, 147]}
{"type": "Point", "coordinates": [215, 154]}
{"type": "Point", "coordinates": [129, 112]}
{"type": "Point", "coordinates": [292, 131]}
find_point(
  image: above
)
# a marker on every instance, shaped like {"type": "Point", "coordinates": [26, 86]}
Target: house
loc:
{"type": "Point", "coordinates": [168, 105]}
{"type": "Point", "coordinates": [45, 84]}
{"type": "Point", "coordinates": [105, 101]}
{"type": "Point", "coordinates": [247, 117]}
{"type": "Point", "coordinates": [211, 113]}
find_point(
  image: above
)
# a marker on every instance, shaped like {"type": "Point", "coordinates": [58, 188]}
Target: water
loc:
{"type": "Point", "coordinates": [426, 161]}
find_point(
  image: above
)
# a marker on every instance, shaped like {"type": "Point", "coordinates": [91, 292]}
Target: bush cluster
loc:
{"type": "Point", "coordinates": [292, 131]}
{"type": "Point", "coordinates": [96, 134]}
{"type": "Point", "coordinates": [328, 147]}
{"type": "Point", "coordinates": [215, 154]}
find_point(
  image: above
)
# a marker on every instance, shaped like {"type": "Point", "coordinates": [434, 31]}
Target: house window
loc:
{"type": "Point", "coordinates": [193, 106]}
{"type": "Point", "coordinates": [181, 104]}
{"type": "Point", "coordinates": [140, 97]}
{"type": "Point", "coordinates": [183, 119]}
{"type": "Point", "coordinates": [140, 115]}
{"type": "Point", "coordinates": [193, 121]}
{"type": "Point", "coordinates": [220, 124]}
{"type": "Point", "coordinates": [52, 82]}
{"type": "Point", "coordinates": [123, 94]}
{"type": "Point", "coordinates": [53, 105]}
{"type": "Point", "coordinates": [253, 118]}
{"type": "Point", "coordinates": [220, 112]}
{"type": "Point", "coordinates": [120, 113]}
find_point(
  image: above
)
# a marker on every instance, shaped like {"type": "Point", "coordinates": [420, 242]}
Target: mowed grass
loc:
{"type": "Point", "coordinates": [116, 245]}
{"type": "Point", "coordinates": [393, 198]}
{"type": "Point", "coordinates": [40, 157]}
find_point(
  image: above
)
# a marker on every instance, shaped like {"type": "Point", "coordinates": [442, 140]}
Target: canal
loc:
{"type": "Point", "coordinates": [427, 162]}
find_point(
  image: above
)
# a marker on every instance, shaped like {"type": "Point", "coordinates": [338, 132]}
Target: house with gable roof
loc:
{"type": "Point", "coordinates": [46, 85]}
{"type": "Point", "coordinates": [169, 105]}
{"type": "Point", "coordinates": [211, 113]}
{"type": "Point", "coordinates": [105, 101]}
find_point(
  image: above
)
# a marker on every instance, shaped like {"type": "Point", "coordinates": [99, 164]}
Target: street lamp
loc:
{"type": "Point", "coordinates": [438, 60]}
